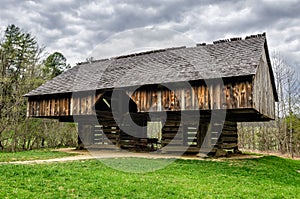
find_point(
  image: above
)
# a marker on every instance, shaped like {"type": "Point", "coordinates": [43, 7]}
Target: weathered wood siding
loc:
{"type": "Point", "coordinates": [263, 97]}
{"type": "Point", "coordinates": [198, 97]}
{"type": "Point", "coordinates": [64, 105]}
{"type": "Point", "coordinates": [58, 106]}
{"type": "Point", "coordinates": [204, 138]}
{"type": "Point", "coordinates": [150, 99]}
{"type": "Point", "coordinates": [238, 93]}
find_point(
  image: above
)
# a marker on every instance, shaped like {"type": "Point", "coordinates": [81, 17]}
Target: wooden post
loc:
{"type": "Point", "coordinates": [84, 135]}
{"type": "Point", "coordinates": [185, 135]}
{"type": "Point", "coordinates": [80, 134]}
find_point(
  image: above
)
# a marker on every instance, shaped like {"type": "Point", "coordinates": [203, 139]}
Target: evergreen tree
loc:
{"type": "Point", "coordinates": [54, 65]}
{"type": "Point", "coordinates": [21, 70]}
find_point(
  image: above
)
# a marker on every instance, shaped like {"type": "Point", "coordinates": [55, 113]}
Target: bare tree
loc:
{"type": "Point", "coordinates": [283, 134]}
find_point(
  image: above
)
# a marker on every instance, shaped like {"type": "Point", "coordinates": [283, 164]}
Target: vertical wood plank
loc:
{"type": "Point", "coordinates": [42, 106]}
{"type": "Point", "coordinates": [76, 106]}
{"type": "Point", "coordinates": [148, 99]}
{"type": "Point", "coordinates": [211, 97]}
{"type": "Point", "coordinates": [61, 106]}
{"type": "Point", "coordinates": [141, 100]}
{"type": "Point", "coordinates": [182, 103]}
{"type": "Point", "coordinates": [167, 100]}
{"type": "Point", "coordinates": [159, 103]}
{"type": "Point", "coordinates": [56, 107]}
{"type": "Point", "coordinates": [145, 100]}
{"type": "Point", "coordinates": [193, 98]}
{"type": "Point", "coordinates": [66, 106]}
{"type": "Point", "coordinates": [249, 94]}
{"type": "Point", "coordinates": [188, 99]}
{"type": "Point", "coordinates": [38, 107]}
{"type": "Point", "coordinates": [177, 99]}
{"type": "Point", "coordinates": [223, 97]}
{"type": "Point", "coordinates": [89, 105]}
{"type": "Point", "coordinates": [92, 99]}
{"type": "Point", "coordinates": [138, 100]}
{"type": "Point", "coordinates": [172, 99]}
{"type": "Point", "coordinates": [217, 96]}
{"type": "Point", "coordinates": [47, 111]}
{"type": "Point", "coordinates": [71, 105]}
{"type": "Point", "coordinates": [200, 97]}
{"type": "Point", "coordinates": [52, 107]}
{"type": "Point", "coordinates": [82, 105]}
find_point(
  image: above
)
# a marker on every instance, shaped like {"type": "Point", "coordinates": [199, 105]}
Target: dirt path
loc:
{"type": "Point", "coordinates": [86, 155]}
{"type": "Point", "coordinates": [65, 159]}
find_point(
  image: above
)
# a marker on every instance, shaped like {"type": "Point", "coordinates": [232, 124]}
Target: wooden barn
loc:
{"type": "Point", "coordinates": [170, 99]}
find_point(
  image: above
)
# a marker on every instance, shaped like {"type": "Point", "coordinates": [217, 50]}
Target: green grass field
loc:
{"type": "Point", "coordinates": [41, 154]}
{"type": "Point", "coordinates": [266, 177]}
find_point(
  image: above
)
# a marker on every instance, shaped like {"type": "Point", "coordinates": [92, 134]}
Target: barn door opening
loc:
{"type": "Point", "coordinates": [154, 134]}
{"type": "Point", "coordinates": [154, 130]}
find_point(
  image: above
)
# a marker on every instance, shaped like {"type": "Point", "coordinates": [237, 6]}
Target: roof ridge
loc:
{"type": "Point", "coordinates": [256, 36]}
{"type": "Point", "coordinates": [92, 61]}
{"type": "Point", "coordinates": [147, 52]}
{"type": "Point", "coordinates": [237, 38]}
{"type": "Point", "coordinates": [131, 55]}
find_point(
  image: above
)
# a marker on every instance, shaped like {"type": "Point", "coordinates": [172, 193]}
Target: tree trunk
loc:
{"type": "Point", "coordinates": [80, 143]}
{"type": "Point", "coordinates": [43, 143]}
{"type": "Point", "coordinates": [291, 138]}
{"type": "Point", "coordinates": [1, 146]}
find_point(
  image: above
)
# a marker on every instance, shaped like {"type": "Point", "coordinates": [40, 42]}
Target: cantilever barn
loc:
{"type": "Point", "coordinates": [170, 98]}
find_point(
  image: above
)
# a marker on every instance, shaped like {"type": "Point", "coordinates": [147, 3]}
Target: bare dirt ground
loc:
{"type": "Point", "coordinates": [118, 154]}
{"type": "Point", "coordinates": [99, 154]}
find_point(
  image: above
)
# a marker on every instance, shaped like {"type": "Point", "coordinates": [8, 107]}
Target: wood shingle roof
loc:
{"type": "Point", "coordinates": [225, 58]}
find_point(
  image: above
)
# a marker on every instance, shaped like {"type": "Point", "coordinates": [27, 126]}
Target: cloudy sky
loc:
{"type": "Point", "coordinates": [81, 29]}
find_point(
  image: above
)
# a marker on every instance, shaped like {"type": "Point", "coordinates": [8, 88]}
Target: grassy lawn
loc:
{"type": "Point", "coordinates": [266, 177]}
{"type": "Point", "coordinates": [32, 155]}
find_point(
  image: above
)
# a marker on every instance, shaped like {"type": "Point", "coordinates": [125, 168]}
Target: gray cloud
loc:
{"type": "Point", "coordinates": [75, 28]}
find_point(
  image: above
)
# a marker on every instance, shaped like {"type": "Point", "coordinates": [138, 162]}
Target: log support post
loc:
{"type": "Point", "coordinates": [228, 140]}
{"type": "Point", "coordinates": [80, 129]}
{"type": "Point", "coordinates": [85, 135]}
